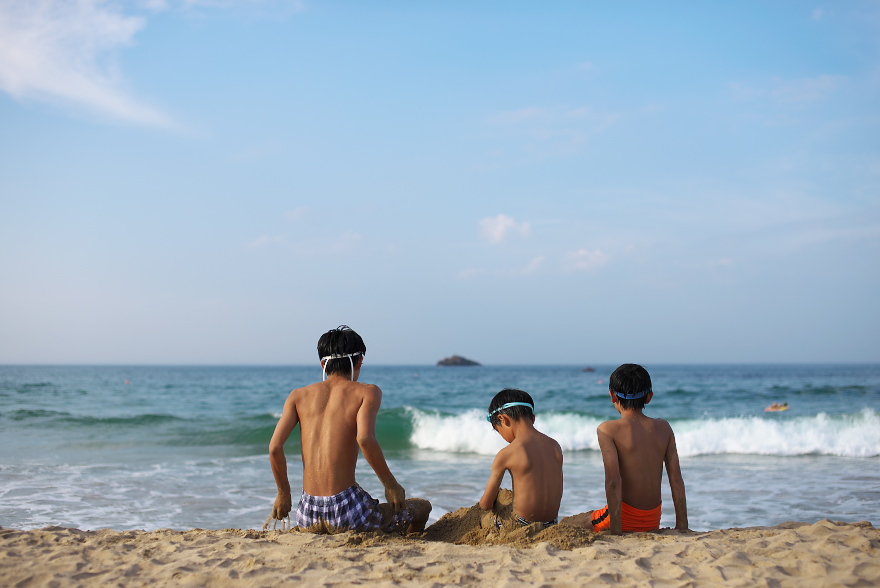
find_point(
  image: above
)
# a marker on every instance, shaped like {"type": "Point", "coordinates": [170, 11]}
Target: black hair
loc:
{"type": "Point", "coordinates": [514, 412]}
{"type": "Point", "coordinates": [630, 378]}
{"type": "Point", "coordinates": [339, 341]}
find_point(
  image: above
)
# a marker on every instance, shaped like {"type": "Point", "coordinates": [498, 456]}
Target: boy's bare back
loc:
{"type": "Point", "coordinates": [636, 446]}
{"type": "Point", "coordinates": [535, 464]}
{"type": "Point", "coordinates": [533, 459]}
{"type": "Point", "coordinates": [634, 450]}
{"type": "Point", "coordinates": [332, 416]}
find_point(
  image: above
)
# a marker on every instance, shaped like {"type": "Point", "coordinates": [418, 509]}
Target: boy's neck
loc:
{"type": "Point", "coordinates": [632, 412]}
{"type": "Point", "coordinates": [522, 427]}
{"type": "Point", "coordinates": [335, 377]}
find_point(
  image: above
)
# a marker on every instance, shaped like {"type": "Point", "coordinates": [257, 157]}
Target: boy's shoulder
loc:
{"type": "Point", "coordinates": [361, 388]}
{"type": "Point", "coordinates": [554, 446]}
{"type": "Point", "coordinates": [548, 440]}
{"type": "Point", "coordinates": [608, 426]}
{"type": "Point", "coordinates": [614, 425]}
{"type": "Point", "coordinates": [544, 443]}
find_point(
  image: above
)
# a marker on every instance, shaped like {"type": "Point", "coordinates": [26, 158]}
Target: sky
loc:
{"type": "Point", "coordinates": [221, 181]}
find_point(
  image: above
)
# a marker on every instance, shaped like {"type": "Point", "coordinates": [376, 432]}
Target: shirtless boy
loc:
{"type": "Point", "coordinates": [337, 417]}
{"type": "Point", "coordinates": [634, 449]}
{"type": "Point", "coordinates": [533, 459]}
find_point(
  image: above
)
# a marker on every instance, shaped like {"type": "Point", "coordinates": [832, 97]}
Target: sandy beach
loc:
{"type": "Point", "coordinates": [456, 550]}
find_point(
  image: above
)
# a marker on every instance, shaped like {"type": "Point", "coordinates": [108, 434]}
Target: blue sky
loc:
{"type": "Point", "coordinates": [517, 182]}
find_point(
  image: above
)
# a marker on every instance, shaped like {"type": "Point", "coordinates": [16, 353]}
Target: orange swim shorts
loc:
{"type": "Point", "coordinates": [633, 519]}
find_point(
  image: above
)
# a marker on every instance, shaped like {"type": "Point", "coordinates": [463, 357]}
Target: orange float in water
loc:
{"type": "Point", "coordinates": [776, 407]}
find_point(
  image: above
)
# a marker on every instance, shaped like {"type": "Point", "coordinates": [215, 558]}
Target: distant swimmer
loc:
{"type": "Point", "coordinates": [776, 407]}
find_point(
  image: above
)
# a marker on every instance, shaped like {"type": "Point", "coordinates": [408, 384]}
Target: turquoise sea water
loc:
{"type": "Point", "coordinates": [147, 447]}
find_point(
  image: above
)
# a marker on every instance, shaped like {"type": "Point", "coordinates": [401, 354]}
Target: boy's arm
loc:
{"type": "Point", "coordinates": [499, 466]}
{"type": "Point", "coordinates": [676, 484]}
{"type": "Point", "coordinates": [366, 438]}
{"type": "Point", "coordinates": [613, 489]}
{"type": "Point", "coordinates": [285, 426]}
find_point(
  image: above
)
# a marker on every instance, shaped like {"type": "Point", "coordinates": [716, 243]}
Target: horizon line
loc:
{"type": "Point", "coordinates": [506, 365]}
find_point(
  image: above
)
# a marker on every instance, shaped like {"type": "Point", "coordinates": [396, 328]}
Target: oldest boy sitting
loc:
{"type": "Point", "coordinates": [337, 416]}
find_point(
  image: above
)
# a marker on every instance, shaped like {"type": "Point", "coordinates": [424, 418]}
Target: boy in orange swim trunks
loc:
{"type": "Point", "coordinates": [634, 449]}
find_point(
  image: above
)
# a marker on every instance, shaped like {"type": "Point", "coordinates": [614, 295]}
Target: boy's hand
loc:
{"type": "Point", "coordinates": [396, 496]}
{"type": "Point", "coordinates": [282, 506]}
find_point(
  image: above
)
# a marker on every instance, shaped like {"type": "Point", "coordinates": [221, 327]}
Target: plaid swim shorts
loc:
{"type": "Point", "coordinates": [351, 509]}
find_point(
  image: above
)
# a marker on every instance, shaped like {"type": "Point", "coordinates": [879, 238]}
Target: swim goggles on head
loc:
{"type": "Point", "coordinates": [633, 396]}
{"type": "Point", "coordinates": [508, 405]}
{"type": "Point", "coordinates": [340, 356]}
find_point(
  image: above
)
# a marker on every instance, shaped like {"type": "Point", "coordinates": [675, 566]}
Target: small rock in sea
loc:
{"type": "Point", "coordinates": [457, 360]}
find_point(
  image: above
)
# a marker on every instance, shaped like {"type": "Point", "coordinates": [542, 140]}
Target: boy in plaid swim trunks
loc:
{"type": "Point", "coordinates": [337, 417]}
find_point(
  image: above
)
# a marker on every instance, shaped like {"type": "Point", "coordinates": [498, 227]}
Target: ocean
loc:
{"type": "Point", "coordinates": [150, 447]}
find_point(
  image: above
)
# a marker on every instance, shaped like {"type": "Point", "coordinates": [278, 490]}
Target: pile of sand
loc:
{"type": "Point", "coordinates": [474, 526]}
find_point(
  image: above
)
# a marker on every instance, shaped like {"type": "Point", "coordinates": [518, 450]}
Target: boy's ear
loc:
{"type": "Point", "coordinates": [505, 420]}
{"type": "Point", "coordinates": [614, 397]}
{"type": "Point", "coordinates": [650, 396]}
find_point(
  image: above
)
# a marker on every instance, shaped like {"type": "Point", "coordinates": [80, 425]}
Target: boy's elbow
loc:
{"type": "Point", "coordinates": [485, 504]}
{"type": "Point", "coordinates": [612, 484]}
{"type": "Point", "coordinates": [676, 480]}
{"type": "Point", "coordinates": [276, 449]}
{"type": "Point", "coordinates": [365, 440]}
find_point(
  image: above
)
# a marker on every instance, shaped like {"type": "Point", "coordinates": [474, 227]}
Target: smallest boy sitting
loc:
{"type": "Point", "coordinates": [634, 449]}
{"type": "Point", "coordinates": [533, 459]}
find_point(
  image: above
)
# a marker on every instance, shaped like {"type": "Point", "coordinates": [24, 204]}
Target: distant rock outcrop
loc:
{"type": "Point", "coordinates": [457, 360]}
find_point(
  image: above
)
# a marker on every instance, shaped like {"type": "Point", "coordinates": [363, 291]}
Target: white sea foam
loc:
{"type": "Point", "coordinates": [469, 432]}
{"type": "Point", "coordinates": [463, 433]}
{"type": "Point", "coordinates": [853, 435]}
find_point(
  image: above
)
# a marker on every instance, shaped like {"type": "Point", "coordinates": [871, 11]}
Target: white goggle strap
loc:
{"type": "Point", "coordinates": [339, 356]}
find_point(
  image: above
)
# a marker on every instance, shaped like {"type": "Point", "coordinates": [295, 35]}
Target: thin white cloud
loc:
{"type": "Point", "coordinates": [290, 5]}
{"type": "Point", "coordinates": [530, 268]}
{"type": "Point", "coordinates": [470, 272]}
{"type": "Point", "coordinates": [265, 240]}
{"type": "Point", "coordinates": [519, 115]}
{"type": "Point", "coordinates": [818, 14]}
{"type": "Point", "coordinates": [296, 214]}
{"type": "Point", "coordinates": [497, 229]}
{"type": "Point", "coordinates": [805, 89]}
{"type": "Point", "coordinates": [533, 265]}
{"type": "Point", "coordinates": [259, 241]}
{"type": "Point", "coordinates": [714, 263]}
{"type": "Point", "coordinates": [62, 50]}
{"type": "Point", "coordinates": [553, 115]}
{"type": "Point", "coordinates": [553, 131]}
{"type": "Point", "coordinates": [584, 259]}
{"type": "Point", "coordinates": [789, 91]}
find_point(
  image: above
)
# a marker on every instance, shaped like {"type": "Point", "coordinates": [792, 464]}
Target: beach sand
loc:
{"type": "Point", "coordinates": [455, 550]}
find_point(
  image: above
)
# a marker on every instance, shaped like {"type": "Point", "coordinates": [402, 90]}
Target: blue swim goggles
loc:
{"type": "Point", "coordinates": [508, 405]}
{"type": "Point", "coordinates": [633, 396]}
